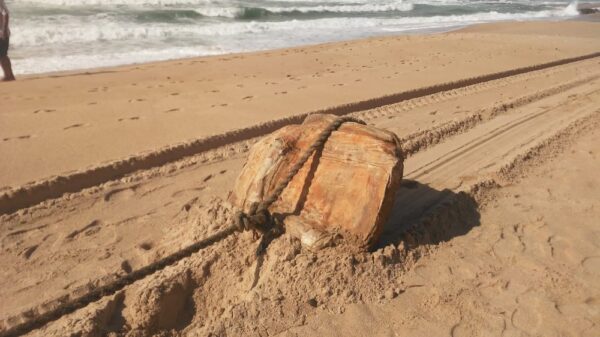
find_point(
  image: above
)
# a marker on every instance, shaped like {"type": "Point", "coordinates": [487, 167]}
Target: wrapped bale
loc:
{"type": "Point", "coordinates": [346, 188]}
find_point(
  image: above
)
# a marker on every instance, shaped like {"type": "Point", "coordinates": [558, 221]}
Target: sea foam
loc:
{"type": "Point", "coordinates": [48, 35]}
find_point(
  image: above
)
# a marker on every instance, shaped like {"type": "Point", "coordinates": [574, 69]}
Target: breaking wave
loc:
{"type": "Point", "coordinates": [50, 35]}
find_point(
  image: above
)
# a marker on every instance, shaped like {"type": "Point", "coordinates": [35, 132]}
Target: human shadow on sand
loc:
{"type": "Point", "coordinates": [423, 215]}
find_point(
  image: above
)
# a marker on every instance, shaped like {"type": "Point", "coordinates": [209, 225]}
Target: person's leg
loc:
{"type": "Point", "coordinates": [5, 61]}
{"type": "Point", "coordinates": [7, 68]}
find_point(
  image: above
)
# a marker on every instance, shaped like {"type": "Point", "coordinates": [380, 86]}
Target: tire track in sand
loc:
{"type": "Point", "coordinates": [547, 130]}
{"type": "Point", "coordinates": [507, 130]}
{"type": "Point", "coordinates": [471, 161]}
{"type": "Point", "coordinates": [132, 183]}
{"type": "Point", "coordinates": [36, 192]}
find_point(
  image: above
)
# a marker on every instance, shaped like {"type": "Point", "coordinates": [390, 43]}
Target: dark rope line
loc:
{"type": "Point", "coordinates": [258, 219]}
{"type": "Point", "coordinates": [115, 286]}
{"type": "Point", "coordinates": [319, 143]}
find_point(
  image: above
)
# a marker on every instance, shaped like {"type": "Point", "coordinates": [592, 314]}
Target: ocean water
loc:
{"type": "Point", "coordinates": [56, 35]}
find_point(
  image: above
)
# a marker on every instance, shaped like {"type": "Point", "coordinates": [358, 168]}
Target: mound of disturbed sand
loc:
{"type": "Point", "coordinates": [227, 290]}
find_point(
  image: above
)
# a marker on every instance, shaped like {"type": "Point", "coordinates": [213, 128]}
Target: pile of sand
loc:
{"type": "Point", "coordinates": [226, 289]}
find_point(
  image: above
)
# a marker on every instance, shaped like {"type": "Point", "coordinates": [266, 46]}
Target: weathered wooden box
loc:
{"type": "Point", "coordinates": [346, 188]}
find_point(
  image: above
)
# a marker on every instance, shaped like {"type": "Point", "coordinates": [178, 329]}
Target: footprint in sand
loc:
{"type": "Point", "coordinates": [78, 125]}
{"type": "Point", "coordinates": [126, 266]}
{"type": "Point", "coordinates": [595, 234]}
{"type": "Point", "coordinates": [146, 245]}
{"type": "Point", "coordinates": [508, 244]}
{"type": "Point", "coordinates": [562, 249]}
{"type": "Point", "coordinates": [24, 231]}
{"type": "Point", "coordinates": [27, 252]}
{"type": "Point", "coordinates": [120, 194]}
{"type": "Point", "coordinates": [88, 230]}
{"type": "Point", "coordinates": [247, 97]}
{"type": "Point", "coordinates": [592, 301]}
{"type": "Point", "coordinates": [189, 190]}
{"type": "Point", "coordinates": [136, 100]}
{"type": "Point", "coordinates": [531, 308]}
{"type": "Point", "coordinates": [172, 110]}
{"type": "Point", "coordinates": [134, 118]}
{"type": "Point", "coordinates": [16, 138]}
{"type": "Point", "coordinates": [591, 265]}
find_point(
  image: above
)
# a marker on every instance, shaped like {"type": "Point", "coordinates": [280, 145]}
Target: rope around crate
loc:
{"type": "Point", "coordinates": [258, 219]}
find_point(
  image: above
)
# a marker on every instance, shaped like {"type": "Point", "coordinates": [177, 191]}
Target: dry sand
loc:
{"type": "Point", "coordinates": [78, 121]}
{"type": "Point", "coordinates": [494, 232]}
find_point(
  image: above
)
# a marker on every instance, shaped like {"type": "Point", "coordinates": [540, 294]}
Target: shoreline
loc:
{"type": "Point", "coordinates": [130, 66]}
{"type": "Point", "coordinates": [589, 17]}
{"type": "Point", "coordinates": [415, 32]}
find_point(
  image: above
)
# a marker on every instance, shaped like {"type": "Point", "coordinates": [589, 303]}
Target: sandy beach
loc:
{"type": "Point", "coordinates": [493, 233]}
